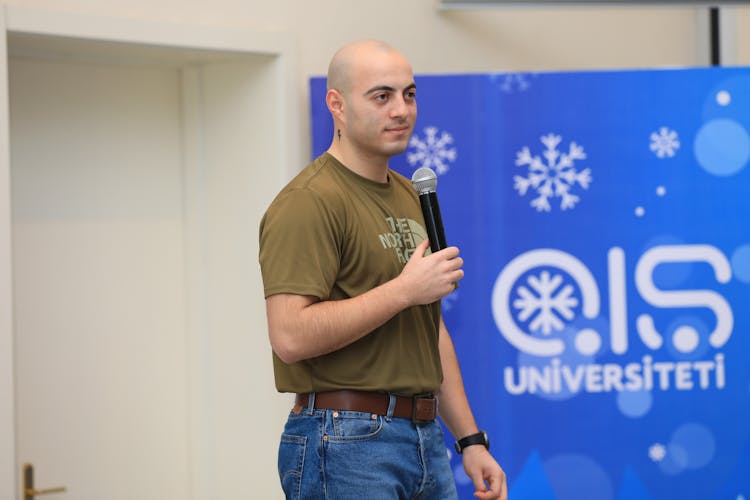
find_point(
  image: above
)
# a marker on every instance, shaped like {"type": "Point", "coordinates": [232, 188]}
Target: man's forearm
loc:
{"type": "Point", "coordinates": [480, 466]}
{"type": "Point", "coordinates": [301, 327]}
{"type": "Point", "coordinates": [454, 406]}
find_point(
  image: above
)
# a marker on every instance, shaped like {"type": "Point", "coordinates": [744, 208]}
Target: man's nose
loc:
{"type": "Point", "coordinates": [400, 107]}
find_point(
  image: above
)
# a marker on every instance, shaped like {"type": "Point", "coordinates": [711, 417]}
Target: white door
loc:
{"type": "Point", "coordinates": [99, 279]}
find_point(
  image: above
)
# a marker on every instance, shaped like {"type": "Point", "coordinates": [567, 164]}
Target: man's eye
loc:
{"type": "Point", "coordinates": [411, 95]}
{"type": "Point", "coordinates": [381, 97]}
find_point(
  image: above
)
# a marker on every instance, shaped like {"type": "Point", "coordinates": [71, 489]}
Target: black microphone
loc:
{"type": "Point", "coordinates": [425, 182]}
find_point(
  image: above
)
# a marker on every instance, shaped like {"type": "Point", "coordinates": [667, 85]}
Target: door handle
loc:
{"type": "Point", "coordinates": [29, 492]}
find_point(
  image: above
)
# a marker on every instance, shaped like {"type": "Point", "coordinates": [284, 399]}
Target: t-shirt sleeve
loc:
{"type": "Point", "coordinates": [299, 246]}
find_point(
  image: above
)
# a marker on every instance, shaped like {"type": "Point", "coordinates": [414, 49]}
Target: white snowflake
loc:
{"type": "Point", "coordinates": [433, 151]}
{"type": "Point", "coordinates": [519, 79]}
{"type": "Point", "coordinates": [546, 300]}
{"type": "Point", "coordinates": [657, 452]}
{"type": "Point", "coordinates": [664, 143]}
{"type": "Point", "coordinates": [556, 177]}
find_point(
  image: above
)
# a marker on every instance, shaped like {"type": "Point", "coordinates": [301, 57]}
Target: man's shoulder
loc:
{"type": "Point", "coordinates": [317, 176]}
{"type": "Point", "coordinates": [313, 188]}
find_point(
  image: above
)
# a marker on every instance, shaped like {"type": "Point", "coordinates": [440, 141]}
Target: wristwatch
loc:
{"type": "Point", "coordinates": [480, 437]}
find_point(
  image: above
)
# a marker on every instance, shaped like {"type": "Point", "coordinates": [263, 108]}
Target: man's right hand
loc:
{"type": "Point", "coordinates": [429, 278]}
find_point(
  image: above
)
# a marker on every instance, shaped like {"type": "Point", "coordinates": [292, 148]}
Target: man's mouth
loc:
{"type": "Point", "coordinates": [397, 129]}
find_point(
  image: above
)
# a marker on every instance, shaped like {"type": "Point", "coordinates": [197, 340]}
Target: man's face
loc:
{"type": "Point", "coordinates": [381, 105]}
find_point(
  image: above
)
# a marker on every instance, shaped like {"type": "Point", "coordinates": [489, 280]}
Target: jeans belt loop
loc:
{"type": "Point", "coordinates": [311, 403]}
{"type": "Point", "coordinates": [391, 406]}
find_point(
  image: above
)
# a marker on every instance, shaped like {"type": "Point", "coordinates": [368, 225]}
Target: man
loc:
{"type": "Point", "coordinates": [353, 304]}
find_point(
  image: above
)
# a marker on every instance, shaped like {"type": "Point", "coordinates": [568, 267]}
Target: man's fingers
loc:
{"type": "Point", "coordinates": [489, 495]}
{"type": "Point", "coordinates": [497, 489]}
{"type": "Point", "coordinates": [422, 247]}
{"type": "Point", "coordinates": [478, 481]}
{"type": "Point", "coordinates": [448, 253]}
{"type": "Point", "coordinates": [457, 263]}
{"type": "Point", "coordinates": [486, 495]}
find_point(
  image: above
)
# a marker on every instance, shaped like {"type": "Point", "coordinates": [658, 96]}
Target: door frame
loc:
{"type": "Point", "coordinates": [182, 43]}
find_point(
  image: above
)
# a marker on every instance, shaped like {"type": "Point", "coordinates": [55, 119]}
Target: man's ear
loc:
{"type": "Point", "coordinates": [335, 103]}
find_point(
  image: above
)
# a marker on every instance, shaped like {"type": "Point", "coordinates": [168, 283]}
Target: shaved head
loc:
{"type": "Point", "coordinates": [350, 57]}
{"type": "Point", "coordinates": [372, 99]}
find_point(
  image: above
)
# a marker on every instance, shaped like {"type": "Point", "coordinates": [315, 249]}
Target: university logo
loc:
{"type": "Point", "coordinates": [539, 295]}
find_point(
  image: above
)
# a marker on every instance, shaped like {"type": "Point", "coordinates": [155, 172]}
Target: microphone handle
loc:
{"type": "Point", "coordinates": [433, 221]}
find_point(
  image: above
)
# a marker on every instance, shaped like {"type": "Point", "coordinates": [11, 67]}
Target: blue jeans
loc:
{"type": "Point", "coordinates": [327, 454]}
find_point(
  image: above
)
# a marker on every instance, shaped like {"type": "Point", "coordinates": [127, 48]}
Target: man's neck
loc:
{"type": "Point", "coordinates": [372, 168]}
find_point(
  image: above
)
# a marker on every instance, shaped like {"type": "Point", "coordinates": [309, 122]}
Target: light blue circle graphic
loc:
{"type": "Point", "coordinates": [692, 446]}
{"type": "Point", "coordinates": [698, 443]}
{"type": "Point", "coordinates": [671, 464]}
{"type": "Point", "coordinates": [634, 404]}
{"type": "Point", "coordinates": [722, 147]}
{"type": "Point", "coordinates": [679, 455]}
{"type": "Point", "coordinates": [741, 263]}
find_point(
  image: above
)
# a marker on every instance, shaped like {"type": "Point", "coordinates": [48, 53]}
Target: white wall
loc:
{"type": "Point", "coordinates": [742, 29]}
{"type": "Point", "coordinates": [235, 147]}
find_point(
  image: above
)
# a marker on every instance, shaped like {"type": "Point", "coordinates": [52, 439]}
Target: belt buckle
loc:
{"type": "Point", "coordinates": [423, 408]}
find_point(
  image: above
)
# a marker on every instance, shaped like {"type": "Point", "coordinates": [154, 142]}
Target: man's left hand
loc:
{"type": "Point", "coordinates": [484, 471]}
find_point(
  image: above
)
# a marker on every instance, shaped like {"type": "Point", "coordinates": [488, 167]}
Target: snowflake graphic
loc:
{"type": "Point", "coordinates": [547, 300]}
{"type": "Point", "coordinates": [657, 452]}
{"type": "Point", "coordinates": [517, 79]}
{"type": "Point", "coordinates": [665, 143]}
{"type": "Point", "coordinates": [433, 151]}
{"type": "Point", "coordinates": [556, 177]}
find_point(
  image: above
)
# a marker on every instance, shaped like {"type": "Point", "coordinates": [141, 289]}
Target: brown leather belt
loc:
{"type": "Point", "coordinates": [421, 408]}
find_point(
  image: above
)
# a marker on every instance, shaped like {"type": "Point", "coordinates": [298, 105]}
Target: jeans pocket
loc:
{"type": "Point", "coordinates": [291, 461]}
{"type": "Point", "coordinates": [355, 426]}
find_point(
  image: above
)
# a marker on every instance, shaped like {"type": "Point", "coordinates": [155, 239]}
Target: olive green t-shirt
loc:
{"type": "Point", "coordinates": [333, 234]}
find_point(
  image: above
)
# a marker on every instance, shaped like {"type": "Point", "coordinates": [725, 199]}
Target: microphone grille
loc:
{"type": "Point", "coordinates": [424, 180]}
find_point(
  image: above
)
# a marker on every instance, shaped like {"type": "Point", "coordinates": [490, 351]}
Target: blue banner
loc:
{"type": "Point", "coordinates": [603, 326]}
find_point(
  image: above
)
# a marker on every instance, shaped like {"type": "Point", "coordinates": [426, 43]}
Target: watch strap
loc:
{"type": "Point", "coordinates": [472, 439]}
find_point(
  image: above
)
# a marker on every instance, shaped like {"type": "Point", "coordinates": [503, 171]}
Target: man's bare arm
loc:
{"type": "Point", "coordinates": [488, 478]}
{"type": "Point", "coordinates": [454, 406]}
